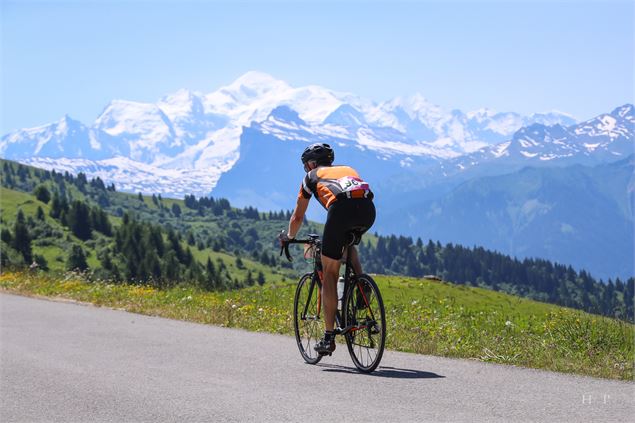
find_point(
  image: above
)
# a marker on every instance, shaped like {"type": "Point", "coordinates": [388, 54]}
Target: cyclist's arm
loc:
{"type": "Point", "coordinates": [298, 216]}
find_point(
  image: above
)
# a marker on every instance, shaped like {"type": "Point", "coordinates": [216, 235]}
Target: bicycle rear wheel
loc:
{"type": "Point", "coordinates": [307, 322]}
{"type": "Point", "coordinates": [365, 315]}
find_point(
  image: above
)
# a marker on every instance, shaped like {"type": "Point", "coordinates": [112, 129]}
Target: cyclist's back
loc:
{"type": "Point", "coordinates": [330, 183]}
{"type": "Point", "coordinates": [349, 201]}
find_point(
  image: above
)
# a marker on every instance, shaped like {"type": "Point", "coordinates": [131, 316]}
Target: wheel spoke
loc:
{"type": "Point", "coordinates": [365, 312]}
{"type": "Point", "coordinates": [306, 318]}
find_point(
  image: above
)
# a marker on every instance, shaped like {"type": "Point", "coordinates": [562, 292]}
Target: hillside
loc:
{"type": "Point", "coordinates": [67, 222]}
{"type": "Point", "coordinates": [576, 215]}
{"type": "Point", "coordinates": [230, 238]}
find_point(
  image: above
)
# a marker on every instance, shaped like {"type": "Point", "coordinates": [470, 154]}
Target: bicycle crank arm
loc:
{"type": "Point", "coordinates": [350, 328]}
{"type": "Point", "coordinates": [343, 331]}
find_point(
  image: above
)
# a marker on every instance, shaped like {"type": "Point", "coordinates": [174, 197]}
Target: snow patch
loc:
{"type": "Point", "coordinates": [528, 154]}
{"type": "Point", "coordinates": [501, 149]}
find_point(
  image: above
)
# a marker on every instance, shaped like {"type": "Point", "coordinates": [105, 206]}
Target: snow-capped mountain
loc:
{"type": "Point", "coordinates": [64, 138]}
{"type": "Point", "coordinates": [195, 137]}
{"type": "Point", "coordinates": [435, 172]}
{"type": "Point", "coordinates": [607, 137]}
{"type": "Point", "coordinates": [557, 192]}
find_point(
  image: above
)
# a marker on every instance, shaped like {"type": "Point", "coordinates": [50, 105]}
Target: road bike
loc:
{"type": "Point", "coordinates": [360, 317]}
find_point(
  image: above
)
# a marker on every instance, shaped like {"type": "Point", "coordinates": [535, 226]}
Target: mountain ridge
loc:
{"type": "Point", "coordinates": [191, 130]}
{"type": "Point", "coordinates": [242, 142]}
{"type": "Point", "coordinates": [577, 214]}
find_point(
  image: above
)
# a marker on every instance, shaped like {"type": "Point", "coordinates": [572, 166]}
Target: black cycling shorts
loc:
{"type": "Point", "coordinates": [344, 215]}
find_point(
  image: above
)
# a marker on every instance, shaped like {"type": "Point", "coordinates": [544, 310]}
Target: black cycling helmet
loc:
{"type": "Point", "coordinates": [322, 154]}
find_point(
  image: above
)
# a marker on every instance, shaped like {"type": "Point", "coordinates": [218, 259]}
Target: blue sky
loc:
{"type": "Point", "coordinates": [75, 56]}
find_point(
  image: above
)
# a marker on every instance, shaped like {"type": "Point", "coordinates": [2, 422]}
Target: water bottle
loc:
{"type": "Point", "coordinates": [340, 292]}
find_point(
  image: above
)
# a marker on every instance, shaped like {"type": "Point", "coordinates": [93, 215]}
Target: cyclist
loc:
{"type": "Point", "coordinates": [349, 203]}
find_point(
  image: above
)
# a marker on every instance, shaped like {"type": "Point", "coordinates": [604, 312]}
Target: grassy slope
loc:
{"type": "Point", "coordinates": [55, 254]}
{"type": "Point", "coordinates": [423, 316]}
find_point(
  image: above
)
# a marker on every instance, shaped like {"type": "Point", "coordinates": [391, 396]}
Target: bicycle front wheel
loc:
{"type": "Point", "coordinates": [366, 318]}
{"type": "Point", "coordinates": [307, 322]}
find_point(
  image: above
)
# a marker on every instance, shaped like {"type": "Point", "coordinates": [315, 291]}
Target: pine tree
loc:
{"type": "Point", "coordinates": [76, 259]}
{"type": "Point", "coordinates": [6, 236]}
{"type": "Point", "coordinates": [176, 210]}
{"type": "Point", "coordinates": [629, 293]}
{"type": "Point", "coordinates": [100, 221]}
{"type": "Point", "coordinates": [239, 263]}
{"type": "Point", "coordinates": [188, 258]}
{"type": "Point", "coordinates": [211, 278]}
{"type": "Point", "coordinates": [42, 194]}
{"type": "Point", "coordinates": [171, 268]}
{"type": "Point", "coordinates": [21, 238]}
{"type": "Point", "coordinates": [249, 281]}
{"type": "Point", "coordinates": [78, 220]}
{"type": "Point", "coordinates": [152, 265]}
{"type": "Point", "coordinates": [42, 264]}
{"type": "Point", "coordinates": [23, 173]}
{"type": "Point", "coordinates": [8, 180]}
{"type": "Point", "coordinates": [106, 261]}
{"type": "Point", "coordinates": [98, 184]}
{"type": "Point", "coordinates": [81, 181]}
{"type": "Point", "coordinates": [156, 239]}
{"type": "Point", "coordinates": [56, 206]}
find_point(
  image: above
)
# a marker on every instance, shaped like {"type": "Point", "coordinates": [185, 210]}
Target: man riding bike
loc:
{"type": "Point", "coordinates": [349, 202]}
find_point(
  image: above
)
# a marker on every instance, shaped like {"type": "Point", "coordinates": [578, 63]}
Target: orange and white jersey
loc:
{"type": "Point", "coordinates": [330, 183]}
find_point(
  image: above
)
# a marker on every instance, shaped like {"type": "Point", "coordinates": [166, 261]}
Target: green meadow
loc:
{"type": "Point", "coordinates": [423, 316]}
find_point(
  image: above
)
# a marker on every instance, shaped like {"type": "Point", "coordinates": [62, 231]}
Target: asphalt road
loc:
{"type": "Point", "coordinates": [66, 362]}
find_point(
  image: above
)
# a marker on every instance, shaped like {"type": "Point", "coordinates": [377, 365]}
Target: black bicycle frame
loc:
{"type": "Point", "coordinates": [315, 279]}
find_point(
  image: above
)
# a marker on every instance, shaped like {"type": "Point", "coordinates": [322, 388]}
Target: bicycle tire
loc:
{"type": "Point", "coordinates": [308, 328]}
{"type": "Point", "coordinates": [365, 314]}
